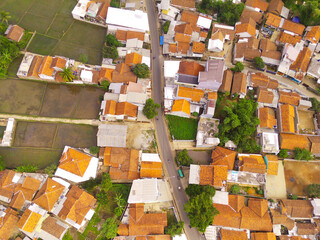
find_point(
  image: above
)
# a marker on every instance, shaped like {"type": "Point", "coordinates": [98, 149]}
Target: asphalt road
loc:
{"type": "Point", "coordinates": [163, 140]}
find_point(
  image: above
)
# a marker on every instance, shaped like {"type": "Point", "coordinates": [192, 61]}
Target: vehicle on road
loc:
{"type": "Point", "coordinates": [181, 173]}
{"type": "Point", "coordinates": [179, 188]}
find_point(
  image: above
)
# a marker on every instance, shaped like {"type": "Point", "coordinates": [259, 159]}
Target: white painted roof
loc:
{"type": "Point", "coordinates": [127, 18]}
{"type": "Point", "coordinates": [221, 198]}
{"type": "Point", "coordinates": [112, 135]}
{"type": "Point", "coordinates": [194, 176]}
{"type": "Point", "coordinates": [171, 68]}
{"type": "Point", "coordinates": [150, 157]}
{"type": "Point", "coordinates": [86, 76]}
{"type": "Point", "coordinates": [181, 237]}
{"type": "Point", "coordinates": [204, 22]}
{"type": "Point", "coordinates": [81, 8]}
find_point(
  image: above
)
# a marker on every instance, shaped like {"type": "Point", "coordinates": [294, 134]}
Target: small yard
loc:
{"type": "Point", "coordinates": [182, 128]}
{"type": "Point", "coordinates": [306, 124]}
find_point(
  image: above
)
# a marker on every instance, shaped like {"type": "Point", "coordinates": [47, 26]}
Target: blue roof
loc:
{"type": "Point", "coordinates": [296, 19]}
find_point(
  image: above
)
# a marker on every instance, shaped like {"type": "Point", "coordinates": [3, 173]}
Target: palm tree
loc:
{"type": "Point", "coordinates": [4, 16]}
{"type": "Point", "coordinates": [67, 74]}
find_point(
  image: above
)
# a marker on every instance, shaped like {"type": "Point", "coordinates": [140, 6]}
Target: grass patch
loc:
{"type": "Point", "coordinates": [60, 24]}
{"type": "Point", "coordinates": [42, 44]}
{"type": "Point", "coordinates": [14, 66]}
{"type": "Point", "coordinates": [31, 22]}
{"type": "Point", "coordinates": [182, 128]}
{"type": "Point", "coordinates": [46, 8]}
{"type": "Point", "coordinates": [2, 129]}
{"type": "Point", "coordinates": [16, 8]}
{"type": "Point", "coordinates": [41, 158]}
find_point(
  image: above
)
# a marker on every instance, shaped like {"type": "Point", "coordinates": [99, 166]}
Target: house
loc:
{"type": "Point", "coordinates": [232, 234]}
{"type": "Point", "coordinates": [275, 7]}
{"type": "Point", "coordinates": [151, 166]}
{"type": "Point", "coordinates": [272, 164]}
{"type": "Point", "coordinates": [265, 96]}
{"type": "Point", "coordinates": [190, 68]}
{"type": "Point", "coordinates": [234, 214]}
{"type": "Point", "coordinates": [246, 49]}
{"type": "Point", "coordinates": [49, 194]}
{"type": "Point", "coordinates": [226, 81]}
{"type": "Point", "coordinates": [190, 94]}
{"type": "Point", "coordinates": [269, 53]}
{"type": "Point", "coordinates": [30, 219]}
{"type": "Point", "coordinates": [123, 36]}
{"type": "Point", "coordinates": [198, 48]}
{"type": "Point", "coordinates": [207, 129]}
{"type": "Point", "coordinates": [292, 98]}
{"type": "Point", "coordinates": [257, 5]}
{"type": "Point", "coordinates": [270, 142]}
{"type": "Point", "coordinates": [285, 37]}
{"type": "Point", "coordinates": [261, 80]}
{"type": "Point", "coordinates": [14, 33]}
{"type": "Point", "coordinates": [239, 84]}
{"type": "Point", "coordinates": [216, 42]}
{"type": "Point", "coordinates": [292, 27]}
{"type": "Point", "coordinates": [292, 141]}
{"type": "Point", "coordinates": [252, 163]}
{"type": "Point", "coordinates": [77, 207]}
{"type": "Point", "coordinates": [289, 55]}
{"type": "Point", "coordinates": [150, 190]}
{"type": "Point", "coordinates": [112, 135]}
{"type": "Point", "coordinates": [123, 163]}
{"type": "Point", "coordinates": [8, 223]}
{"type": "Point", "coordinates": [143, 224]}
{"type": "Point", "coordinates": [313, 69]}
{"type": "Point", "coordinates": [267, 118]}
{"type": "Point", "coordinates": [8, 180]}
{"type": "Point", "coordinates": [52, 228]}
{"type": "Point", "coordinates": [76, 166]}
{"type": "Point", "coordinates": [45, 70]}
{"type": "Point", "coordinates": [301, 64]}
{"type": "Point", "coordinates": [288, 121]}
{"type": "Point", "coordinates": [296, 209]}
{"type": "Point", "coordinates": [263, 236]}
{"type": "Point", "coordinates": [188, 4]}
{"type": "Point", "coordinates": [223, 156]}
{"type": "Point", "coordinates": [248, 13]}
{"type": "Point", "coordinates": [122, 19]}
{"type": "Point", "coordinates": [213, 175]}
{"type": "Point", "coordinates": [273, 21]}
{"type": "Point", "coordinates": [228, 32]}
{"type": "Point", "coordinates": [315, 145]}
{"type": "Point", "coordinates": [122, 73]}
{"type": "Point", "coordinates": [312, 34]}
{"type": "Point", "coordinates": [181, 108]}
{"type": "Point", "coordinates": [112, 111]}
{"type": "Point", "coordinates": [211, 77]}
{"type": "Point", "coordinates": [246, 30]}
{"type": "Point", "coordinates": [133, 59]}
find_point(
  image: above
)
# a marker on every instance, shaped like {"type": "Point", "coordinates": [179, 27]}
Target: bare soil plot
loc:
{"type": "Point", "coordinates": [200, 157]}
{"type": "Point", "coordinates": [306, 121]}
{"type": "Point", "coordinates": [300, 174]}
{"type": "Point", "coordinates": [21, 97]}
{"type": "Point", "coordinates": [35, 134]}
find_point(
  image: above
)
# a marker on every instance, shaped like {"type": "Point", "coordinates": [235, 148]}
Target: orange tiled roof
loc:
{"type": "Point", "coordinates": [45, 67]}
{"type": "Point", "coordinates": [213, 175]}
{"type": "Point", "coordinates": [6, 185]}
{"type": "Point", "coordinates": [297, 208]}
{"type": "Point", "coordinates": [125, 35]}
{"type": "Point", "coordinates": [184, 29]}
{"type": "Point", "coordinates": [58, 62]}
{"type": "Point", "coordinates": [133, 58]}
{"type": "Point", "coordinates": [236, 202]}
{"type": "Point", "coordinates": [34, 67]}
{"type": "Point", "coordinates": [189, 17]}
{"type": "Point", "coordinates": [190, 68]}
{"type": "Point", "coordinates": [15, 33]}
{"type": "Point", "coordinates": [48, 194]}
{"type": "Point", "coordinates": [184, 3]}
{"type": "Point", "coordinates": [203, 34]}
{"type": "Point", "coordinates": [123, 74]}
{"type": "Point", "coordinates": [183, 47]}
{"type": "Point", "coordinates": [181, 105]}
{"type": "Point", "coordinates": [105, 74]}
{"type": "Point", "coordinates": [276, 6]}
{"type": "Point", "coordinates": [292, 141]}
{"type": "Point", "coordinates": [252, 163]}
{"type": "Point", "coordinates": [273, 20]}
{"type": "Point", "coordinates": [293, 27]}
{"type": "Point", "coordinates": [193, 94]}
{"type": "Point", "coordinates": [263, 236]}
{"type": "Point", "coordinates": [180, 37]}
{"type": "Point", "coordinates": [288, 38]}
{"type": "Point", "coordinates": [212, 95]}
{"type": "Point", "coordinates": [126, 108]}
{"type": "Point", "coordinates": [261, 80]}
{"type": "Point", "coordinates": [123, 162]}
{"type": "Point", "coordinates": [267, 118]}
{"type": "Point", "coordinates": [151, 169]}
{"type": "Point", "coordinates": [8, 223]}
{"type": "Point", "coordinates": [313, 35]}
{"type": "Point", "coordinates": [302, 61]}
{"type": "Point", "coordinates": [223, 156]}
{"type": "Point", "coordinates": [246, 28]}
{"type": "Point", "coordinates": [227, 217]}
{"type": "Point", "coordinates": [110, 107]}
{"type": "Point", "coordinates": [198, 47]}
{"type": "Point", "coordinates": [239, 84]}
{"type": "Point", "coordinates": [77, 205]}
{"type": "Point", "coordinates": [262, 5]}
{"type": "Point", "coordinates": [226, 81]}
{"type": "Point", "coordinates": [74, 161]}
{"type": "Point", "coordinates": [287, 118]}
{"type": "Point", "coordinates": [29, 220]}
{"type": "Point", "coordinates": [233, 235]}
{"type": "Point", "coordinates": [289, 98]}
{"type": "Point", "coordinates": [248, 13]}
{"type": "Point", "coordinates": [273, 164]}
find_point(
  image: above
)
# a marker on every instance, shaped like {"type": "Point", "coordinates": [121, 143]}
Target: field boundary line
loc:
{"type": "Point", "coordinates": [27, 11]}
{"type": "Point", "coordinates": [43, 95]}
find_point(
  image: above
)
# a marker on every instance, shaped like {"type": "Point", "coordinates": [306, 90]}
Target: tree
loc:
{"type": "Point", "coordinates": [118, 211]}
{"type": "Point", "coordinates": [193, 190]}
{"type": "Point", "coordinates": [315, 104]}
{"type": "Point", "coordinates": [174, 229]}
{"type": "Point", "coordinates": [91, 184]}
{"type": "Point", "coordinates": [205, 5]}
{"type": "Point", "coordinates": [238, 67]}
{"type": "Point", "coordinates": [200, 211]}
{"type": "Point", "coordinates": [150, 109]}
{"type": "Point", "coordinates": [283, 153]}
{"type": "Point", "coordinates": [235, 189]}
{"type": "Point", "coordinates": [183, 158]}
{"type": "Point", "coordinates": [4, 17]}
{"type": "Point", "coordinates": [105, 84]}
{"type": "Point", "coordinates": [67, 74]}
{"type": "Point", "coordinates": [83, 58]}
{"type": "Point", "coordinates": [302, 154]}
{"type": "Point", "coordinates": [110, 52]}
{"type": "Point", "coordinates": [141, 70]}
{"type": "Point", "coordinates": [258, 63]}
{"type": "Point", "coordinates": [112, 41]}
{"type": "Point", "coordinates": [94, 150]}
{"type": "Point", "coordinates": [227, 11]}
{"type": "Point", "coordinates": [27, 168]}
{"type": "Point", "coordinates": [102, 198]}
{"type": "Point", "coordinates": [50, 169]}
{"type": "Point", "coordinates": [313, 190]}
{"type": "Point", "coordinates": [165, 27]}
{"type": "Point", "coordinates": [106, 183]}
{"type": "Point", "coordinates": [109, 228]}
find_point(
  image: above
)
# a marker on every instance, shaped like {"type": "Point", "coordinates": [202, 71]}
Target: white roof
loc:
{"type": "Point", "coordinates": [81, 8]}
{"type": "Point", "coordinates": [211, 233]}
{"type": "Point", "coordinates": [194, 176]}
{"type": "Point", "coordinates": [86, 76]}
{"type": "Point", "coordinates": [221, 198]}
{"type": "Point", "coordinates": [91, 171]}
{"type": "Point", "coordinates": [136, 98]}
{"type": "Point", "coordinates": [215, 44]}
{"type": "Point", "coordinates": [62, 182]}
{"type": "Point", "coordinates": [169, 92]}
{"type": "Point", "coordinates": [111, 96]}
{"type": "Point", "coordinates": [115, 88]}
{"type": "Point", "coordinates": [112, 135]}
{"type": "Point", "coordinates": [134, 43]}
{"type": "Point", "coordinates": [171, 68]}
{"type": "Point", "coordinates": [204, 22]}
{"type": "Point", "coordinates": [181, 237]}
{"type": "Point", "coordinates": [164, 5]}
{"type": "Point", "coordinates": [149, 190]}
{"type": "Point", "coordinates": [150, 157]}
{"type": "Point", "coordinates": [316, 206]}
{"type": "Point", "coordinates": [127, 18]}
{"type": "Point", "coordinates": [146, 60]}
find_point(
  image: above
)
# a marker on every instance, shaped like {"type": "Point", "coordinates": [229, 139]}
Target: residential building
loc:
{"type": "Point", "coordinates": [233, 234]}
{"type": "Point", "coordinates": [112, 135]}
{"type": "Point", "coordinates": [313, 69]}
{"type": "Point", "coordinates": [239, 84]}
{"type": "Point", "coordinates": [123, 163]}
{"type": "Point", "coordinates": [263, 236]}
{"type": "Point", "coordinates": [267, 118]}
{"type": "Point", "coordinates": [252, 163]}
{"type": "Point", "coordinates": [246, 49]}
{"type": "Point", "coordinates": [272, 163]}
{"type": "Point", "coordinates": [223, 156]}
{"type": "Point", "coordinates": [189, 4]}
{"type": "Point", "coordinates": [216, 42]}
{"type": "Point", "coordinates": [248, 13]}
{"type": "Point", "coordinates": [246, 30]}
{"type": "Point", "coordinates": [122, 73]}
{"type": "Point", "coordinates": [269, 53]}
{"type": "Point", "coordinates": [292, 27]}
{"type": "Point", "coordinates": [257, 5]}
{"type": "Point", "coordinates": [14, 33]}
{"type": "Point", "coordinates": [8, 223]}
{"type": "Point", "coordinates": [112, 111]}
{"type": "Point", "coordinates": [188, 72]}
{"type": "Point", "coordinates": [76, 166]}
{"type": "Point", "coordinates": [228, 32]}
{"type": "Point", "coordinates": [45, 70]}
{"type": "Point", "coordinates": [213, 175]}
{"type": "Point", "coordinates": [77, 207]}
{"type": "Point", "coordinates": [211, 77]}
{"type": "Point", "coordinates": [52, 228]}
{"type": "Point", "coordinates": [312, 34]}
{"type": "Point", "coordinates": [270, 142]}
{"type": "Point", "coordinates": [190, 94]}
{"type": "Point", "coordinates": [276, 6]}
{"type": "Point", "coordinates": [8, 180]}
{"type": "Point", "coordinates": [296, 209]}
{"type": "Point", "coordinates": [292, 141]}
{"type": "Point", "coordinates": [273, 21]}
{"type": "Point", "coordinates": [289, 55]}
{"type": "Point", "coordinates": [207, 129]}
{"type": "Point", "coordinates": [291, 98]}
{"type": "Point", "coordinates": [288, 121]}
{"type": "Point", "coordinates": [315, 145]}
{"type": "Point", "coordinates": [301, 64]}
{"type": "Point", "coordinates": [123, 35]}
{"type": "Point", "coordinates": [261, 80]}
{"type": "Point", "coordinates": [151, 166]}
{"type": "Point", "coordinates": [226, 81]}
{"type": "Point", "coordinates": [181, 108]}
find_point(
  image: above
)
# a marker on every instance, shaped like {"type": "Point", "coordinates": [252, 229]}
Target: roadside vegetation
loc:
{"type": "Point", "coordinates": [183, 158]}
{"type": "Point", "coordinates": [150, 109]}
{"type": "Point", "coordinates": [258, 63]}
{"type": "Point", "coordinates": [174, 227]}
{"type": "Point", "coordinates": [141, 70]}
{"type": "Point", "coordinates": [182, 128]}
{"type": "Point", "coordinates": [165, 27]}
{"type": "Point", "coordinates": [200, 208]}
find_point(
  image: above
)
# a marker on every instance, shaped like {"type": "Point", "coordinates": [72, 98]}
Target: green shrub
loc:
{"type": "Point", "coordinates": [258, 63]}
{"type": "Point", "coordinates": [313, 190]}
{"type": "Point", "coordinates": [283, 153]}
{"type": "Point", "coordinates": [2, 164]}
{"type": "Point", "coordinates": [183, 158]}
{"type": "Point", "coordinates": [166, 27]}
{"type": "Point", "coordinates": [235, 189]}
{"type": "Point", "coordinates": [94, 150]}
{"type": "Point", "coordinates": [302, 154]}
{"type": "Point", "coordinates": [141, 70]}
{"type": "Point", "coordinates": [105, 84]}
{"type": "Point", "coordinates": [50, 169]}
{"type": "Point", "coordinates": [195, 114]}
{"type": "Point", "coordinates": [83, 58]}
{"type": "Point", "coordinates": [150, 109]}
{"type": "Point", "coordinates": [112, 41]}
{"type": "Point", "coordinates": [27, 168]}
{"type": "Point", "coordinates": [238, 67]}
